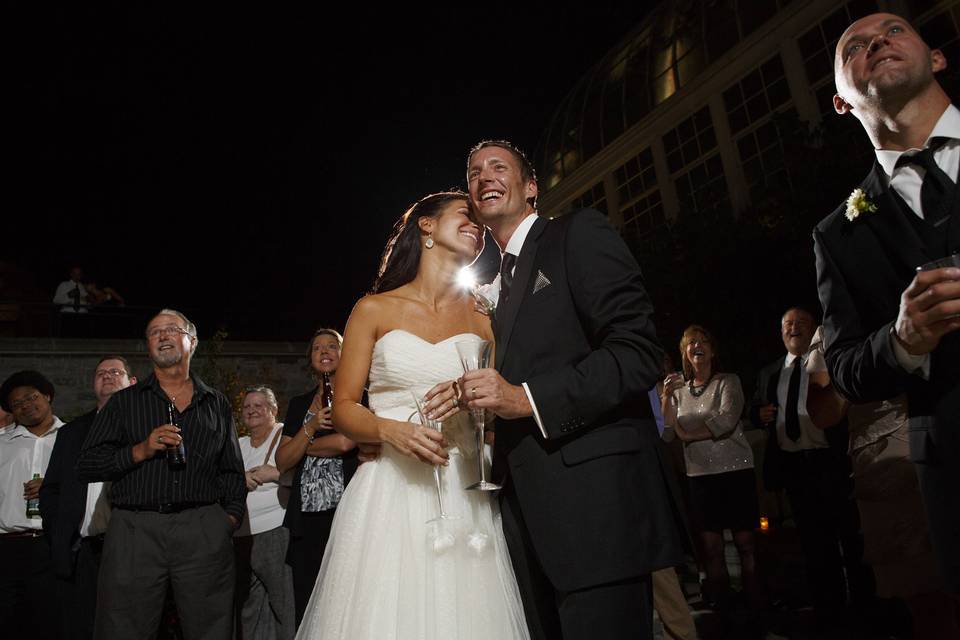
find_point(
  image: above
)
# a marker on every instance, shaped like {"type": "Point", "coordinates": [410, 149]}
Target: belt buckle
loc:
{"type": "Point", "coordinates": [167, 507]}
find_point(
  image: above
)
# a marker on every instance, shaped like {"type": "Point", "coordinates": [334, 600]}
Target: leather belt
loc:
{"type": "Point", "coordinates": [166, 507]}
{"type": "Point", "coordinates": [36, 533]}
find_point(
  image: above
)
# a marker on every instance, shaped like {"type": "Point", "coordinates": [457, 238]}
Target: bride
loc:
{"type": "Point", "coordinates": [386, 572]}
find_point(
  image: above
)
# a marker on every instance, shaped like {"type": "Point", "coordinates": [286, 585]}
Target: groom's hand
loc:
{"type": "Point", "coordinates": [486, 389]}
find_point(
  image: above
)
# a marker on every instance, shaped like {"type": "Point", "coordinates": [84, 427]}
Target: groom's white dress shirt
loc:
{"type": "Point", "coordinates": [514, 246]}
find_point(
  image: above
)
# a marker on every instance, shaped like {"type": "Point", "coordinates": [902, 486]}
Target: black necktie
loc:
{"type": "Point", "coordinates": [937, 189]}
{"type": "Point", "coordinates": [792, 418]}
{"type": "Point", "coordinates": [506, 276]}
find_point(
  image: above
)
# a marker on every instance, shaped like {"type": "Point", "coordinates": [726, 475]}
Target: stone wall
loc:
{"type": "Point", "coordinates": [227, 366]}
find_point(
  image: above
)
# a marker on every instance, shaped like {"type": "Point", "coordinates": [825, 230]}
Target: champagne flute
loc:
{"type": "Point", "coordinates": [430, 423]}
{"type": "Point", "coordinates": [475, 354]}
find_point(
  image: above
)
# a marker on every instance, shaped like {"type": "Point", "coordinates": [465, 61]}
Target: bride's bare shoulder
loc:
{"type": "Point", "coordinates": [376, 305]}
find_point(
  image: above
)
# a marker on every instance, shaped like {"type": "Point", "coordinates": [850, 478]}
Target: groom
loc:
{"type": "Point", "coordinates": [890, 328]}
{"type": "Point", "coordinates": [585, 507]}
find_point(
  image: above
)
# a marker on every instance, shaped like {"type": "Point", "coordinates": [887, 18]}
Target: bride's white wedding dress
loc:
{"type": "Point", "coordinates": [386, 573]}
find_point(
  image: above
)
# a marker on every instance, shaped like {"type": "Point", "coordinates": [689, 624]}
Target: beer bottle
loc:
{"type": "Point", "coordinates": [176, 456]}
{"type": "Point", "coordinates": [326, 393]}
{"type": "Point", "coordinates": [33, 504]}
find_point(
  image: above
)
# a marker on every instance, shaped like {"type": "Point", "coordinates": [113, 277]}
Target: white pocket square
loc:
{"type": "Point", "coordinates": [541, 282]}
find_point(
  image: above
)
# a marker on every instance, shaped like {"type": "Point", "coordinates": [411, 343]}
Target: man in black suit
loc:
{"type": "Point", "coordinates": [585, 506]}
{"type": "Point", "coordinates": [75, 514]}
{"type": "Point", "coordinates": [812, 466]}
{"type": "Point", "coordinates": [890, 328]}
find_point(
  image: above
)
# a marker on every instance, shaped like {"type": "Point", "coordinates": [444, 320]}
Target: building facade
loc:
{"type": "Point", "coordinates": [684, 116]}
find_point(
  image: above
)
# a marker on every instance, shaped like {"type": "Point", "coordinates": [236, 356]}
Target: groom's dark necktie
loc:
{"type": "Point", "coordinates": [791, 419]}
{"type": "Point", "coordinates": [507, 263]}
{"type": "Point", "coordinates": [936, 193]}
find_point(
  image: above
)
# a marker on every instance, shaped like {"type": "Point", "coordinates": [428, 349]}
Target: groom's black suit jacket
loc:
{"type": "Point", "coordinates": [578, 330]}
{"type": "Point", "coordinates": [863, 266]}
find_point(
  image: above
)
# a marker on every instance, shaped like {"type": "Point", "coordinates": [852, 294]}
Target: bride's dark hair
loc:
{"type": "Point", "coordinates": [401, 256]}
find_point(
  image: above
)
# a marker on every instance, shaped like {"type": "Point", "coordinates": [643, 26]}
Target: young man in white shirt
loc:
{"type": "Point", "coordinates": [26, 582]}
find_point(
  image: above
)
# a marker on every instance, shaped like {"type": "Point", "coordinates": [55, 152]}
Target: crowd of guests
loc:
{"type": "Point", "coordinates": [273, 491]}
{"type": "Point", "coordinates": [840, 466]}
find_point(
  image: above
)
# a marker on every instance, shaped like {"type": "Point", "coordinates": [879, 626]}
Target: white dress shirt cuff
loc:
{"type": "Point", "coordinates": [917, 364]}
{"type": "Point", "coordinates": [536, 414]}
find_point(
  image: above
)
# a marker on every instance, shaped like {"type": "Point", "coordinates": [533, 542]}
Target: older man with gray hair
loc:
{"type": "Point", "coordinates": [173, 515]}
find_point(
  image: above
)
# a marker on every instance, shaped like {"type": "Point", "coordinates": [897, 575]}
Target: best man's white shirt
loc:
{"type": "Point", "coordinates": [907, 180]}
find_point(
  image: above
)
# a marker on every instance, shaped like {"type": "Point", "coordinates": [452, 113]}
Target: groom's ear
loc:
{"type": "Point", "coordinates": [840, 105]}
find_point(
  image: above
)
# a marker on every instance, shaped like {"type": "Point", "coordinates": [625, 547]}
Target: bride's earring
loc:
{"type": "Point", "coordinates": [429, 242]}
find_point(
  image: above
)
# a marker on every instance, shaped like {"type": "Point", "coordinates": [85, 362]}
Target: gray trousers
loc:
{"type": "Point", "coordinates": [144, 551]}
{"type": "Point", "coordinates": [265, 586]}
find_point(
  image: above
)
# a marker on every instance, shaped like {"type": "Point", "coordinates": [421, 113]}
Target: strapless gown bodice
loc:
{"type": "Point", "coordinates": [404, 364]}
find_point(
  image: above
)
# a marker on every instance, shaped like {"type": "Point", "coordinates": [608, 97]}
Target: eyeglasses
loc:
{"type": "Point", "coordinates": [110, 373]}
{"type": "Point", "coordinates": [168, 330]}
{"type": "Point", "coordinates": [20, 404]}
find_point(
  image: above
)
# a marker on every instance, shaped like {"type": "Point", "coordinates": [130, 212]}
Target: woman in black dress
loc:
{"type": "Point", "coordinates": [322, 461]}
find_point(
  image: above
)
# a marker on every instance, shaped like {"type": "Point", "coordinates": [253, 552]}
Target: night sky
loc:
{"type": "Point", "coordinates": [247, 164]}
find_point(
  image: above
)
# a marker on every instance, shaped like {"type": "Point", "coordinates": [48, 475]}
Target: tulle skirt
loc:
{"type": "Point", "coordinates": [388, 574]}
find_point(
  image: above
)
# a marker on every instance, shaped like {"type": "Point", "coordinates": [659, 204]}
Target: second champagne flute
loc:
{"type": "Point", "coordinates": [475, 354]}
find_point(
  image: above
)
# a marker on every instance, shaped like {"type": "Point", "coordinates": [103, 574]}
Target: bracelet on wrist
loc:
{"type": "Point", "coordinates": [310, 436]}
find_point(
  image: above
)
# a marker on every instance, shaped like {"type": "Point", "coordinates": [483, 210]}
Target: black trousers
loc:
{"type": "Point", "coordinates": [940, 484]}
{"type": "Point", "coordinates": [820, 489]}
{"type": "Point", "coordinates": [77, 595]}
{"type": "Point", "coordinates": [613, 611]}
{"type": "Point", "coordinates": [26, 589]}
{"type": "Point", "coordinates": [305, 555]}
{"type": "Point", "coordinates": [191, 551]}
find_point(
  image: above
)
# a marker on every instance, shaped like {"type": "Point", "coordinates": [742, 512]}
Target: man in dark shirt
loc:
{"type": "Point", "coordinates": [172, 524]}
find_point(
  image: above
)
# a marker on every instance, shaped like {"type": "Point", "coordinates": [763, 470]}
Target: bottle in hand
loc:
{"type": "Point", "coordinates": [176, 455]}
{"type": "Point", "coordinates": [326, 392]}
{"type": "Point", "coordinates": [33, 504]}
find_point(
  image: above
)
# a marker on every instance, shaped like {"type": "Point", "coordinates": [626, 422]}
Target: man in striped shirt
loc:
{"type": "Point", "coordinates": [172, 523]}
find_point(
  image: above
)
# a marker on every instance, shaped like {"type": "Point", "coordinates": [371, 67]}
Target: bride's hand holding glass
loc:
{"type": "Point", "coordinates": [415, 441]}
{"type": "Point", "coordinates": [442, 401]}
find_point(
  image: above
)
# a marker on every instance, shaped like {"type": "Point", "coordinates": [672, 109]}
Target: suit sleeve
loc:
{"type": "Point", "coordinates": [616, 314]}
{"type": "Point", "coordinates": [230, 472]}
{"type": "Point", "coordinates": [862, 364]}
{"type": "Point", "coordinates": [759, 399]}
{"type": "Point", "coordinates": [50, 488]}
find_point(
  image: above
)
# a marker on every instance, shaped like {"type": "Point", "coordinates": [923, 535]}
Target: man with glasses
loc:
{"type": "Point", "coordinates": [26, 581]}
{"type": "Point", "coordinates": [172, 522]}
{"type": "Point", "coordinates": [75, 514]}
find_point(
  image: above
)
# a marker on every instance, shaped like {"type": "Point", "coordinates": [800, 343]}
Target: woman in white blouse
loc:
{"type": "Point", "coordinates": [702, 407]}
{"type": "Point", "coordinates": [264, 580]}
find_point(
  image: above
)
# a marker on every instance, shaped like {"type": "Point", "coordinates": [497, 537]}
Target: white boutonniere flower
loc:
{"type": "Point", "coordinates": [857, 203]}
{"type": "Point", "coordinates": [485, 296]}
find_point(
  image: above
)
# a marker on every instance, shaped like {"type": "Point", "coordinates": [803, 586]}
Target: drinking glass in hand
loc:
{"type": "Point", "coordinates": [436, 425]}
{"type": "Point", "coordinates": [952, 260]}
{"type": "Point", "coordinates": [475, 354]}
